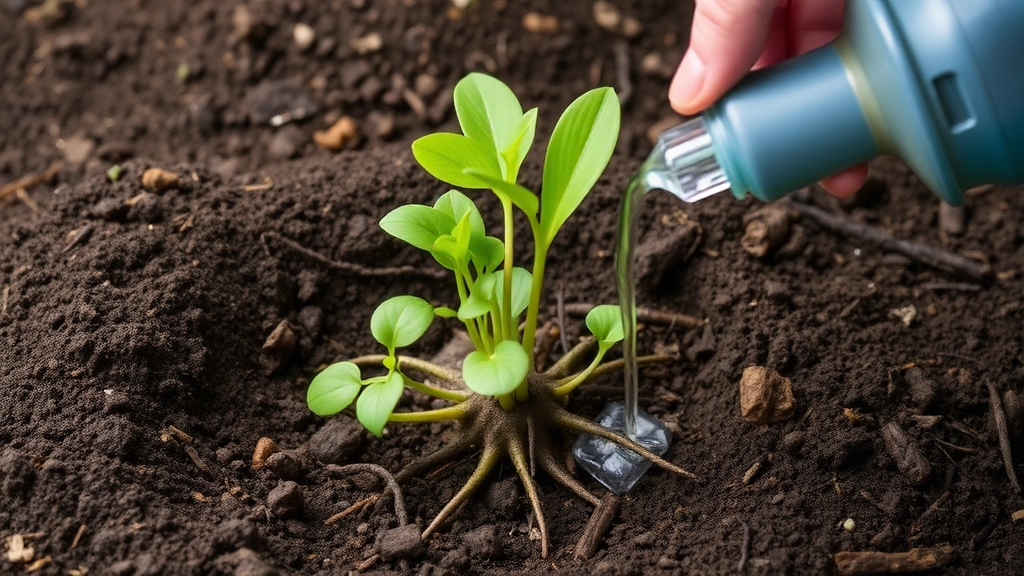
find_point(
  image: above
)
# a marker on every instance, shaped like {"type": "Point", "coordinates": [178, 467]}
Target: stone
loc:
{"type": "Point", "coordinates": [278, 347]}
{"type": "Point", "coordinates": [304, 36]}
{"type": "Point", "coordinates": [766, 397]}
{"type": "Point", "coordinates": [145, 207]}
{"type": "Point", "coordinates": [286, 143]}
{"type": "Point", "coordinates": [402, 543]}
{"type": "Point", "coordinates": [367, 44]}
{"type": "Point", "coordinates": [906, 453]}
{"type": "Point", "coordinates": [285, 465]}
{"type": "Point", "coordinates": [922, 388]}
{"type": "Point", "coordinates": [280, 102]}
{"type": "Point", "coordinates": [482, 543]}
{"type": "Point", "coordinates": [160, 180]}
{"type": "Point", "coordinates": [338, 441]}
{"type": "Point", "coordinates": [285, 500]}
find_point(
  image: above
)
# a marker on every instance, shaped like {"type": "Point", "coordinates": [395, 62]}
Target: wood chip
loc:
{"type": "Point", "coordinates": [915, 560]}
{"type": "Point", "coordinates": [767, 229]}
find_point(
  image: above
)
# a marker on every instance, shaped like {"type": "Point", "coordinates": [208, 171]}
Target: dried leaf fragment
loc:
{"type": "Point", "coordinates": [905, 453]}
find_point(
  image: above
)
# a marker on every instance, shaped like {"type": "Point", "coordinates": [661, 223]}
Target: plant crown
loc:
{"type": "Point", "coordinates": [493, 293]}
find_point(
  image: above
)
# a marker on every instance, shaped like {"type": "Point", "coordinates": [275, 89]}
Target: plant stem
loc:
{"type": "Point", "coordinates": [507, 401]}
{"type": "Point", "coordinates": [567, 385]}
{"type": "Point", "coordinates": [471, 327]}
{"type": "Point", "coordinates": [449, 395]}
{"type": "Point", "coordinates": [616, 365]}
{"type": "Point", "coordinates": [428, 368]}
{"type": "Point", "coordinates": [540, 255]}
{"type": "Point", "coordinates": [449, 413]}
{"type": "Point", "coordinates": [506, 296]}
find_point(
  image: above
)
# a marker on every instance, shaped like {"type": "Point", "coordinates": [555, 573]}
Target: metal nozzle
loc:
{"type": "Point", "coordinates": [683, 163]}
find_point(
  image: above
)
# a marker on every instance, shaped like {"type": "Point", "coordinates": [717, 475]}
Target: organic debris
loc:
{"type": "Point", "coordinates": [915, 560]}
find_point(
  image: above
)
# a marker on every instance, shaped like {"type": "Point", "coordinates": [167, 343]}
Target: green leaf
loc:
{"type": "Point", "coordinates": [515, 153]}
{"type": "Point", "coordinates": [418, 225]}
{"type": "Point", "coordinates": [333, 389]}
{"type": "Point", "coordinates": [605, 323]}
{"type": "Point", "coordinates": [445, 156]}
{"type": "Point", "coordinates": [452, 250]}
{"type": "Point", "coordinates": [499, 373]}
{"type": "Point", "coordinates": [400, 321]}
{"type": "Point", "coordinates": [445, 312]}
{"type": "Point", "coordinates": [522, 283]}
{"type": "Point", "coordinates": [378, 401]}
{"type": "Point", "coordinates": [488, 111]}
{"type": "Point", "coordinates": [481, 295]}
{"type": "Point", "coordinates": [521, 197]}
{"type": "Point", "coordinates": [487, 253]}
{"type": "Point", "coordinates": [580, 147]}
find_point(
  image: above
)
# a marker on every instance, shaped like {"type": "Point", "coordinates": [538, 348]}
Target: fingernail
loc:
{"type": "Point", "coordinates": [687, 83]}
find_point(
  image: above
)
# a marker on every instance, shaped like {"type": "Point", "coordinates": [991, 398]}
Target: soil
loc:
{"type": "Point", "coordinates": [132, 377]}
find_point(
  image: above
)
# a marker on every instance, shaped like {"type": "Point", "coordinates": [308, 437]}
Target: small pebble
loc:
{"type": "Point", "coordinates": [402, 543]}
{"type": "Point", "coordinates": [482, 542]}
{"type": "Point", "coordinates": [286, 143]}
{"type": "Point", "coordinates": [766, 397]}
{"type": "Point", "coordinates": [264, 448]}
{"type": "Point", "coordinates": [286, 465]}
{"type": "Point", "coordinates": [304, 36]}
{"type": "Point", "coordinates": [278, 347]}
{"type": "Point", "coordinates": [285, 500]}
{"type": "Point", "coordinates": [368, 44]}
{"type": "Point", "coordinates": [849, 525]}
{"type": "Point", "coordinates": [339, 440]}
{"type": "Point", "coordinates": [160, 180]}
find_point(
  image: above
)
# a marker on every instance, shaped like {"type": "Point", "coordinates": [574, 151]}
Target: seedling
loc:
{"type": "Point", "coordinates": [506, 408]}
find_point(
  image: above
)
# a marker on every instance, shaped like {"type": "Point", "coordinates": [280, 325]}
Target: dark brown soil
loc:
{"type": "Point", "coordinates": [125, 313]}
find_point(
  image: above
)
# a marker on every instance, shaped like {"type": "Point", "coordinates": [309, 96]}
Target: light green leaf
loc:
{"type": "Point", "coordinates": [455, 204]}
{"type": "Point", "coordinates": [400, 321]}
{"type": "Point", "coordinates": [580, 147]}
{"type": "Point", "coordinates": [499, 373]}
{"type": "Point", "coordinates": [488, 111]}
{"type": "Point", "coordinates": [522, 283]}
{"type": "Point", "coordinates": [452, 250]}
{"type": "Point", "coordinates": [378, 401]}
{"type": "Point", "coordinates": [333, 389]}
{"type": "Point", "coordinates": [445, 156]}
{"type": "Point", "coordinates": [418, 225]}
{"type": "Point", "coordinates": [521, 197]}
{"type": "Point", "coordinates": [445, 312]}
{"type": "Point", "coordinates": [515, 153]}
{"type": "Point", "coordinates": [481, 296]}
{"type": "Point", "coordinates": [605, 323]}
{"type": "Point", "coordinates": [487, 253]}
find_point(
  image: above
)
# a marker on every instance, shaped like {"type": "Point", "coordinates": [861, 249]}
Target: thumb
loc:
{"type": "Point", "coordinates": [726, 39]}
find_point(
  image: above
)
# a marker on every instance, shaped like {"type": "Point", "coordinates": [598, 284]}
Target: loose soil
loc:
{"type": "Point", "coordinates": [124, 313]}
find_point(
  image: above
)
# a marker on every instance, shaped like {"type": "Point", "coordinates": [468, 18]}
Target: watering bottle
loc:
{"type": "Point", "coordinates": [938, 83]}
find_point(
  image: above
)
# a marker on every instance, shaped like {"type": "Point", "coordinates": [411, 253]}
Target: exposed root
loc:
{"type": "Point", "coordinates": [487, 462]}
{"type": "Point", "coordinates": [518, 455]}
{"type": "Point", "coordinates": [572, 358]}
{"type": "Point", "coordinates": [389, 480]}
{"type": "Point", "coordinates": [443, 455]}
{"type": "Point", "coordinates": [551, 464]}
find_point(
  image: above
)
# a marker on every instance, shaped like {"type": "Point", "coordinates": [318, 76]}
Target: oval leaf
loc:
{"type": "Point", "coordinates": [580, 147]}
{"type": "Point", "coordinates": [488, 111]}
{"type": "Point", "coordinates": [400, 321]}
{"type": "Point", "coordinates": [481, 295]}
{"type": "Point", "coordinates": [445, 156]}
{"type": "Point", "coordinates": [605, 323]}
{"type": "Point", "coordinates": [333, 389]}
{"type": "Point", "coordinates": [520, 196]}
{"type": "Point", "coordinates": [522, 283]}
{"type": "Point", "coordinates": [516, 151]}
{"type": "Point", "coordinates": [418, 225]}
{"type": "Point", "coordinates": [456, 205]}
{"type": "Point", "coordinates": [499, 373]}
{"type": "Point", "coordinates": [378, 401]}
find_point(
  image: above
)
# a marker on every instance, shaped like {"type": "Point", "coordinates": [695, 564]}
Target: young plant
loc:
{"type": "Point", "coordinates": [506, 408]}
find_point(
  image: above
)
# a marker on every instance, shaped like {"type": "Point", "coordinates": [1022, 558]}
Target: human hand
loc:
{"type": "Point", "coordinates": [730, 37]}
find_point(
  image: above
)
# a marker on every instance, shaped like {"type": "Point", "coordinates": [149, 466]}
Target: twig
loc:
{"type": "Point", "coordinates": [644, 315]}
{"type": "Point", "coordinates": [745, 551]}
{"type": "Point", "coordinates": [952, 446]}
{"type": "Point", "coordinates": [916, 526]}
{"type": "Point", "coordinates": [387, 271]}
{"type": "Point", "coordinates": [351, 509]}
{"type": "Point", "coordinates": [928, 255]}
{"type": "Point", "coordinates": [78, 536]}
{"type": "Point", "coordinates": [1004, 435]}
{"type": "Point", "coordinates": [959, 286]}
{"type": "Point", "coordinates": [871, 500]}
{"type": "Point", "coordinates": [597, 527]}
{"type": "Point", "coordinates": [389, 480]}
{"type": "Point", "coordinates": [981, 535]}
{"type": "Point", "coordinates": [915, 560]}
{"type": "Point", "coordinates": [368, 563]}
{"type": "Point", "coordinates": [26, 182]}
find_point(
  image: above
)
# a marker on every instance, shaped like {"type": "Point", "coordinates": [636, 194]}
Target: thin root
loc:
{"type": "Point", "coordinates": [557, 470]}
{"type": "Point", "coordinates": [518, 455]}
{"type": "Point", "coordinates": [442, 455]}
{"type": "Point", "coordinates": [488, 460]}
{"type": "Point", "coordinates": [389, 480]}
{"type": "Point", "coordinates": [561, 368]}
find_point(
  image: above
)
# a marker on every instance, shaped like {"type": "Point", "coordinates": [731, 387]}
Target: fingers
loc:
{"type": "Point", "coordinates": [847, 182]}
{"type": "Point", "coordinates": [814, 23]}
{"type": "Point", "coordinates": [726, 39]}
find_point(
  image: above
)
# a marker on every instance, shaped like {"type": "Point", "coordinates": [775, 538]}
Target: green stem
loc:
{"type": "Point", "coordinates": [506, 296]}
{"type": "Point", "coordinates": [422, 366]}
{"type": "Point", "coordinates": [471, 327]}
{"type": "Point", "coordinates": [449, 395]}
{"type": "Point", "coordinates": [617, 365]}
{"type": "Point", "coordinates": [507, 401]}
{"type": "Point", "coordinates": [567, 385]}
{"type": "Point", "coordinates": [449, 413]}
{"type": "Point", "coordinates": [540, 255]}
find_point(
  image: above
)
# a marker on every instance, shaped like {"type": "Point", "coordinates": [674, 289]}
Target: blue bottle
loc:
{"type": "Point", "coordinates": [938, 83]}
